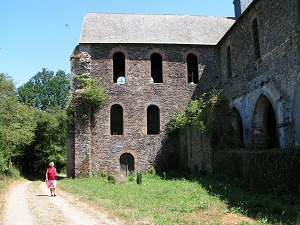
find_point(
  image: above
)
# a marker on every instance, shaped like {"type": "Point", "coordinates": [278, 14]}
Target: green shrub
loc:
{"type": "Point", "coordinates": [111, 179]}
{"type": "Point", "coordinates": [131, 177]}
{"type": "Point", "coordinates": [152, 170]}
{"type": "Point", "coordinates": [103, 173]}
{"type": "Point", "coordinates": [139, 178]}
{"type": "Point", "coordinates": [94, 94]}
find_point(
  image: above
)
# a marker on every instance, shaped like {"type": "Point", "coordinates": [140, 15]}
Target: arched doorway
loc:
{"type": "Point", "coordinates": [126, 163]}
{"type": "Point", "coordinates": [264, 125]}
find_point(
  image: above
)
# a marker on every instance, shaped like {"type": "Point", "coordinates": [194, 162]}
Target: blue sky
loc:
{"type": "Point", "coordinates": [36, 34]}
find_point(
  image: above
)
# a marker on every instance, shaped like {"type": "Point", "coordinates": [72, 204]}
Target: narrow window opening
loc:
{"type": "Point", "coordinates": [156, 68]}
{"type": "Point", "coordinates": [229, 71]}
{"type": "Point", "coordinates": [256, 39]}
{"type": "Point", "coordinates": [116, 120]}
{"type": "Point", "coordinates": [192, 67]}
{"type": "Point", "coordinates": [118, 66]}
{"type": "Point", "coordinates": [153, 120]}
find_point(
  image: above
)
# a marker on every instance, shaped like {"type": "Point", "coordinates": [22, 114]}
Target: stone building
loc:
{"type": "Point", "coordinates": [152, 65]}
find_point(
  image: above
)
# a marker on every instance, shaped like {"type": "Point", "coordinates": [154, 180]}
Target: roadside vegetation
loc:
{"type": "Point", "coordinates": [33, 122]}
{"type": "Point", "coordinates": [181, 200]}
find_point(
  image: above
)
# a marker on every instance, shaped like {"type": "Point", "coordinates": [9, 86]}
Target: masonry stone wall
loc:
{"type": "Point", "coordinates": [256, 88]}
{"type": "Point", "coordinates": [274, 75]}
{"type": "Point", "coordinates": [95, 148]}
{"type": "Point", "coordinates": [195, 152]}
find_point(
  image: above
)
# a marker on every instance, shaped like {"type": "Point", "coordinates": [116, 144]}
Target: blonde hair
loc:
{"type": "Point", "coordinates": [51, 164]}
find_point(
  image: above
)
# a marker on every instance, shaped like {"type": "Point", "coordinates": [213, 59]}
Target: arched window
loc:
{"type": "Point", "coordinates": [153, 120]}
{"type": "Point", "coordinates": [255, 34]}
{"type": "Point", "coordinates": [118, 66]}
{"type": "Point", "coordinates": [192, 68]}
{"type": "Point", "coordinates": [156, 68]}
{"type": "Point", "coordinates": [264, 125]}
{"type": "Point", "coordinates": [229, 72]}
{"type": "Point", "coordinates": [116, 120]}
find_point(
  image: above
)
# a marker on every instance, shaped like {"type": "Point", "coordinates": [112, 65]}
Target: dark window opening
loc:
{"type": "Point", "coordinates": [256, 39]}
{"type": "Point", "coordinates": [116, 120]}
{"type": "Point", "coordinates": [118, 66]}
{"type": "Point", "coordinates": [229, 72]}
{"type": "Point", "coordinates": [156, 68]}
{"type": "Point", "coordinates": [192, 67]}
{"type": "Point", "coordinates": [153, 121]}
{"type": "Point", "coordinates": [126, 163]}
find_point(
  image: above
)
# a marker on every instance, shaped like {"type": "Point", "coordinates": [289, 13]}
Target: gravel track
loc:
{"type": "Point", "coordinates": [30, 203]}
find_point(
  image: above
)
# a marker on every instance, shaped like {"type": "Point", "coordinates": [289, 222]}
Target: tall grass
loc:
{"type": "Point", "coordinates": [156, 201]}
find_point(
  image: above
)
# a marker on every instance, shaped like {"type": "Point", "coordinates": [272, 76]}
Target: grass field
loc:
{"type": "Point", "coordinates": [183, 201]}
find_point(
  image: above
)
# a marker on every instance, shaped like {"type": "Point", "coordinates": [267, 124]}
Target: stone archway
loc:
{"type": "Point", "coordinates": [264, 125]}
{"type": "Point", "coordinates": [126, 163]}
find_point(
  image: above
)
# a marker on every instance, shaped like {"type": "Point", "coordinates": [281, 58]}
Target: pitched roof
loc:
{"type": "Point", "coordinates": [153, 28]}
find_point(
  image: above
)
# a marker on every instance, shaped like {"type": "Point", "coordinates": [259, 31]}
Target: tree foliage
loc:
{"type": "Point", "coordinates": [17, 123]}
{"type": "Point", "coordinates": [33, 121]}
{"type": "Point", "coordinates": [49, 143]}
{"type": "Point", "coordinates": [46, 90]}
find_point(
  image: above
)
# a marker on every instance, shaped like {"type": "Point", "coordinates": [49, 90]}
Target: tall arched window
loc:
{"type": "Point", "coordinates": [229, 72]}
{"type": "Point", "coordinates": [118, 66]}
{"type": "Point", "coordinates": [116, 120]}
{"type": "Point", "coordinates": [255, 34]}
{"type": "Point", "coordinates": [192, 68]}
{"type": "Point", "coordinates": [153, 120]}
{"type": "Point", "coordinates": [156, 68]}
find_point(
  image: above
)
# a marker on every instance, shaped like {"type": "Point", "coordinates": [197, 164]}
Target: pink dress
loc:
{"type": "Point", "coordinates": [51, 173]}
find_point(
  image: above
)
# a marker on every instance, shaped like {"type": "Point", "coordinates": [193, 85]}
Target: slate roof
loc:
{"type": "Point", "coordinates": [153, 28]}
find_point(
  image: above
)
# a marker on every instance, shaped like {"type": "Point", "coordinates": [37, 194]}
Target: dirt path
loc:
{"type": "Point", "coordinates": [29, 203]}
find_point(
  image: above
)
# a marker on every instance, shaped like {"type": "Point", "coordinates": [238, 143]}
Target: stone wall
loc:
{"type": "Point", "coordinates": [195, 152]}
{"type": "Point", "coordinates": [95, 147]}
{"type": "Point", "coordinates": [274, 75]}
{"type": "Point", "coordinates": [256, 89]}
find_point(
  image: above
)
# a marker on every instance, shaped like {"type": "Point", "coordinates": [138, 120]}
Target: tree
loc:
{"type": "Point", "coordinates": [17, 123]}
{"type": "Point", "coordinates": [49, 143]}
{"type": "Point", "coordinates": [46, 90]}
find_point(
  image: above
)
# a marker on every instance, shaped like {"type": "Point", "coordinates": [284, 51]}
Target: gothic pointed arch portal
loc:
{"type": "Point", "coordinates": [126, 163]}
{"type": "Point", "coordinates": [264, 124]}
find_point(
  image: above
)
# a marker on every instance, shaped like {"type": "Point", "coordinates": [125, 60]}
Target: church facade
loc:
{"type": "Point", "coordinates": [152, 65]}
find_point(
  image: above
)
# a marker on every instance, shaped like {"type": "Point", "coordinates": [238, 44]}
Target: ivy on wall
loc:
{"type": "Point", "coordinates": [210, 114]}
{"type": "Point", "coordinates": [94, 94]}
